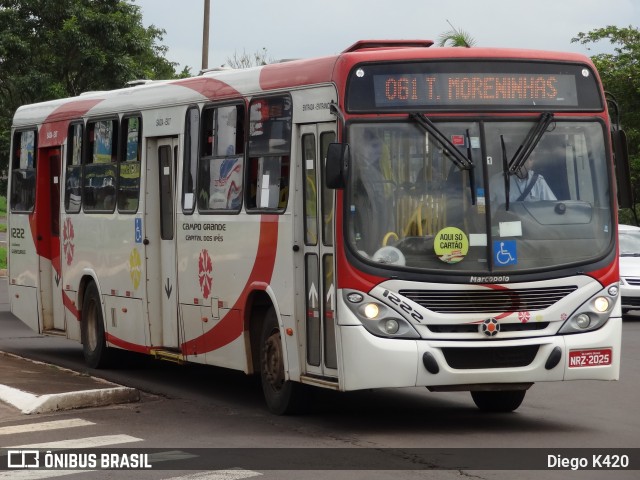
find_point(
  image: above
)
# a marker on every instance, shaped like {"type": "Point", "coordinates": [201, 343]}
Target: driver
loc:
{"type": "Point", "coordinates": [526, 185]}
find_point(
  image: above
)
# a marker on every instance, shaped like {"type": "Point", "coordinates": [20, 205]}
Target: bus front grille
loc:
{"type": "Point", "coordinates": [488, 300]}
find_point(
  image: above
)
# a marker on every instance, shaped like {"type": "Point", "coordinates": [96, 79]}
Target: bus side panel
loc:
{"type": "Point", "coordinates": [233, 355]}
{"type": "Point", "coordinates": [23, 271]}
{"type": "Point", "coordinates": [284, 289]}
{"type": "Point", "coordinates": [105, 248]}
{"type": "Point", "coordinates": [123, 321]}
{"type": "Point", "coordinates": [217, 257]}
{"type": "Point", "coordinates": [23, 259]}
{"type": "Point", "coordinates": [24, 305]}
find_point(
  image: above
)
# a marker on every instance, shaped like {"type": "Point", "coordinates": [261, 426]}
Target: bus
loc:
{"type": "Point", "coordinates": [396, 215]}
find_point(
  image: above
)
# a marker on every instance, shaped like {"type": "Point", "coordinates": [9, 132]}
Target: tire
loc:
{"type": "Point", "coordinates": [502, 401]}
{"type": "Point", "coordinates": [94, 347]}
{"type": "Point", "coordinates": [282, 396]}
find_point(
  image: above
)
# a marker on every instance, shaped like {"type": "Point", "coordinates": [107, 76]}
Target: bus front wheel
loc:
{"type": "Point", "coordinates": [94, 346]}
{"type": "Point", "coordinates": [282, 396]}
{"type": "Point", "coordinates": [498, 401]}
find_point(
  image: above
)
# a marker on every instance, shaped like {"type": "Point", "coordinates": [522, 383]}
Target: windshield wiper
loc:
{"type": "Point", "coordinates": [450, 150]}
{"type": "Point", "coordinates": [530, 142]}
{"type": "Point", "coordinates": [505, 170]}
{"type": "Point", "coordinates": [472, 176]}
{"type": "Point", "coordinates": [460, 161]}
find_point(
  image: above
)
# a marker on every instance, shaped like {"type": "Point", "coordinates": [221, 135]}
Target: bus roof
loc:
{"type": "Point", "coordinates": [229, 84]}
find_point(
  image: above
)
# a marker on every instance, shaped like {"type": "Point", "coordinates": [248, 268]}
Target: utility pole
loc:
{"type": "Point", "coordinates": [205, 35]}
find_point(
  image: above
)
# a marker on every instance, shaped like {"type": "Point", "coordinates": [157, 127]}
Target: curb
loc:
{"type": "Point", "coordinates": [29, 403]}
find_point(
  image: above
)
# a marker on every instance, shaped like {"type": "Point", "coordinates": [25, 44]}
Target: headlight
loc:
{"type": "Point", "coordinates": [594, 313]}
{"type": "Point", "coordinates": [378, 318]}
{"type": "Point", "coordinates": [391, 326]}
{"type": "Point", "coordinates": [371, 310]}
{"type": "Point", "coordinates": [583, 321]}
{"type": "Point", "coordinates": [601, 304]}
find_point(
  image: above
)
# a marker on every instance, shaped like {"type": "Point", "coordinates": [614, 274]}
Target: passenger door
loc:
{"type": "Point", "coordinates": [162, 155]}
{"type": "Point", "coordinates": [47, 215]}
{"type": "Point", "coordinates": [318, 299]}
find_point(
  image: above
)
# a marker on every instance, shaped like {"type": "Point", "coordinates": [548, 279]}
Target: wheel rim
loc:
{"type": "Point", "coordinates": [272, 362]}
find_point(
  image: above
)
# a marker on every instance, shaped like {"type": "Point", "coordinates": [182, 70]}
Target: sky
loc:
{"type": "Point", "coordinates": [308, 28]}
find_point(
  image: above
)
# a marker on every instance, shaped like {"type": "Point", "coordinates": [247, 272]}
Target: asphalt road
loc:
{"type": "Point", "coordinates": [187, 407]}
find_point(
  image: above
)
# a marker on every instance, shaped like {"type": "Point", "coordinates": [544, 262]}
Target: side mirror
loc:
{"type": "Point", "coordinates": [336, 171]}
{"type": "Point", "coordinates": [623, 170]}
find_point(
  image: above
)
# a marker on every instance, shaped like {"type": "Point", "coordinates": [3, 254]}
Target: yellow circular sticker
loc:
{"type": "Point", "coordinates": [451, 245]}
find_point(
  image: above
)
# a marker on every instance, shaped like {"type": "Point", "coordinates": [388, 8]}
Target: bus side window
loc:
{"type": "Point", "coordinates": [190, 163]}
{"type": "Point", "coordinates": [23, 172]}
{"type": "Point", "coordinates": [269, 153]}
{"type": "Point", "coordinates": [99, 188]}
{"type": "Point", "coordinates": [73, 183]}
{"type": "Point", "coordinates": [129, 166]}
{"type": "Point", "coordinates": [220, 167]}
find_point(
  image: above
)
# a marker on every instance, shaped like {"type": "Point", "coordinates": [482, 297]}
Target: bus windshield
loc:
{"type": "Point", "coordinates": [412, 205]}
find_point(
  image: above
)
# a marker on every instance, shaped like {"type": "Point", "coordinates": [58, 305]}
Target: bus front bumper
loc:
{"type": "Point", "coordinates": [373, 362]}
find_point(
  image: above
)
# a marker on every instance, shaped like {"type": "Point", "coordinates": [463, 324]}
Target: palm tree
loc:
{"type": "Point", "coordinates": [455, 38]}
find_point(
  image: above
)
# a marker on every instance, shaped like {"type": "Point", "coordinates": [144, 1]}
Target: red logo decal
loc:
{"type": "Point", "coordinates": [524, 317]}
{"type": "Point", "coordinates": [205, 267]}
{"type": "Point", "coordinates": [67, 241]}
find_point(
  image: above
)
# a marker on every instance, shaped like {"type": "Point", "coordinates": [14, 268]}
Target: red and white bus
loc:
{"type": "Point", "coordinates": [363, 220]}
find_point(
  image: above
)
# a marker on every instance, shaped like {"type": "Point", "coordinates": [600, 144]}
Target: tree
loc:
{"type": "Point", "coordinates": [455, 38]}
{"type": "Point", "coordinates": [57, 49]}
{"type": "Point", "coordinates": [245, 60]}
{"type": "Point", "coordinates": [620, 73]}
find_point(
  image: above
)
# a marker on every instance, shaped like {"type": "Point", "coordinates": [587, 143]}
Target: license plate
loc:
{"type": "Point", "coordinates": [590, 358]}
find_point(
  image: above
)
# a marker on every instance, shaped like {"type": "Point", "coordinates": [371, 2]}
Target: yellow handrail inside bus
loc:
{"type": "Point", "coordinates": [386, 238]}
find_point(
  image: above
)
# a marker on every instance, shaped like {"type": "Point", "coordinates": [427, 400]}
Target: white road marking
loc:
{"type": "Point", "coordinates": [88, 442]}
{"type": "Point", "coordinates": [37, 474]}
{"type": "Point", "coordinates": [211, 475]}
{"type": "Point", "coordinates": [43, 426]}
{"type": "Point", "coordinates": [218, 475]}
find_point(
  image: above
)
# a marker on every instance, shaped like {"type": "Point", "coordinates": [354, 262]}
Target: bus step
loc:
{"type": "Point", "coordinates": [168, 355]}
{"type": "Point", "coordinates": [326, 382]}
{"type": "Point", "coordinates": [55, 332]}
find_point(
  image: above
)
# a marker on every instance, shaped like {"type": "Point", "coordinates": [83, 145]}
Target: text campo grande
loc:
{"type": "Point", "coordinates": [214, 229]}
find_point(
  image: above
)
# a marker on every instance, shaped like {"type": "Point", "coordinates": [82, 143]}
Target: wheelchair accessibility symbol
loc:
{"type": "Point", "coordinates": [504, 253]}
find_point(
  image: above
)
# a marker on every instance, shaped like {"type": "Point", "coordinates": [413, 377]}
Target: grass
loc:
{"type": "Point", "coordinates": [3, 258]}
{"type": "Point", "coordinates": [3, 206]}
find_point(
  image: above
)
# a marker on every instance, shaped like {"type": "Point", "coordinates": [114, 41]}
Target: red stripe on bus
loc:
{"type": "Point", "coordinates": [118, 342]}
{"type": "Point", "coordinates": [67, 302]}
{"type": "Point", "coordinates": [231, 325]}
{"type": "Point", "coordinates": [302, 72]}
{"type": "Point", "coordinates": [73, 110]}
{"type": "Point", "coordinates": [499, 287]}
{"type": "Point", "coordinates": [209, 87]}
{"type": "Point", "coordinates": [55, 128]}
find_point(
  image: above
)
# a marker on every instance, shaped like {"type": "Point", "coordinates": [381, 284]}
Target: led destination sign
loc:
{"type": "Point", "coordinates": [491, 85]}
{"type": "Point", "coordinates": [474, 89]}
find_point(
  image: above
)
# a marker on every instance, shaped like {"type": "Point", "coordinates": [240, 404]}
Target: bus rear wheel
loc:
{"type": "Point", "coordinates": [94, 346]}
{"type": "Point", "coordinates": [282, 396]}
{"type": "Point", "coordinates": [498, 401]}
